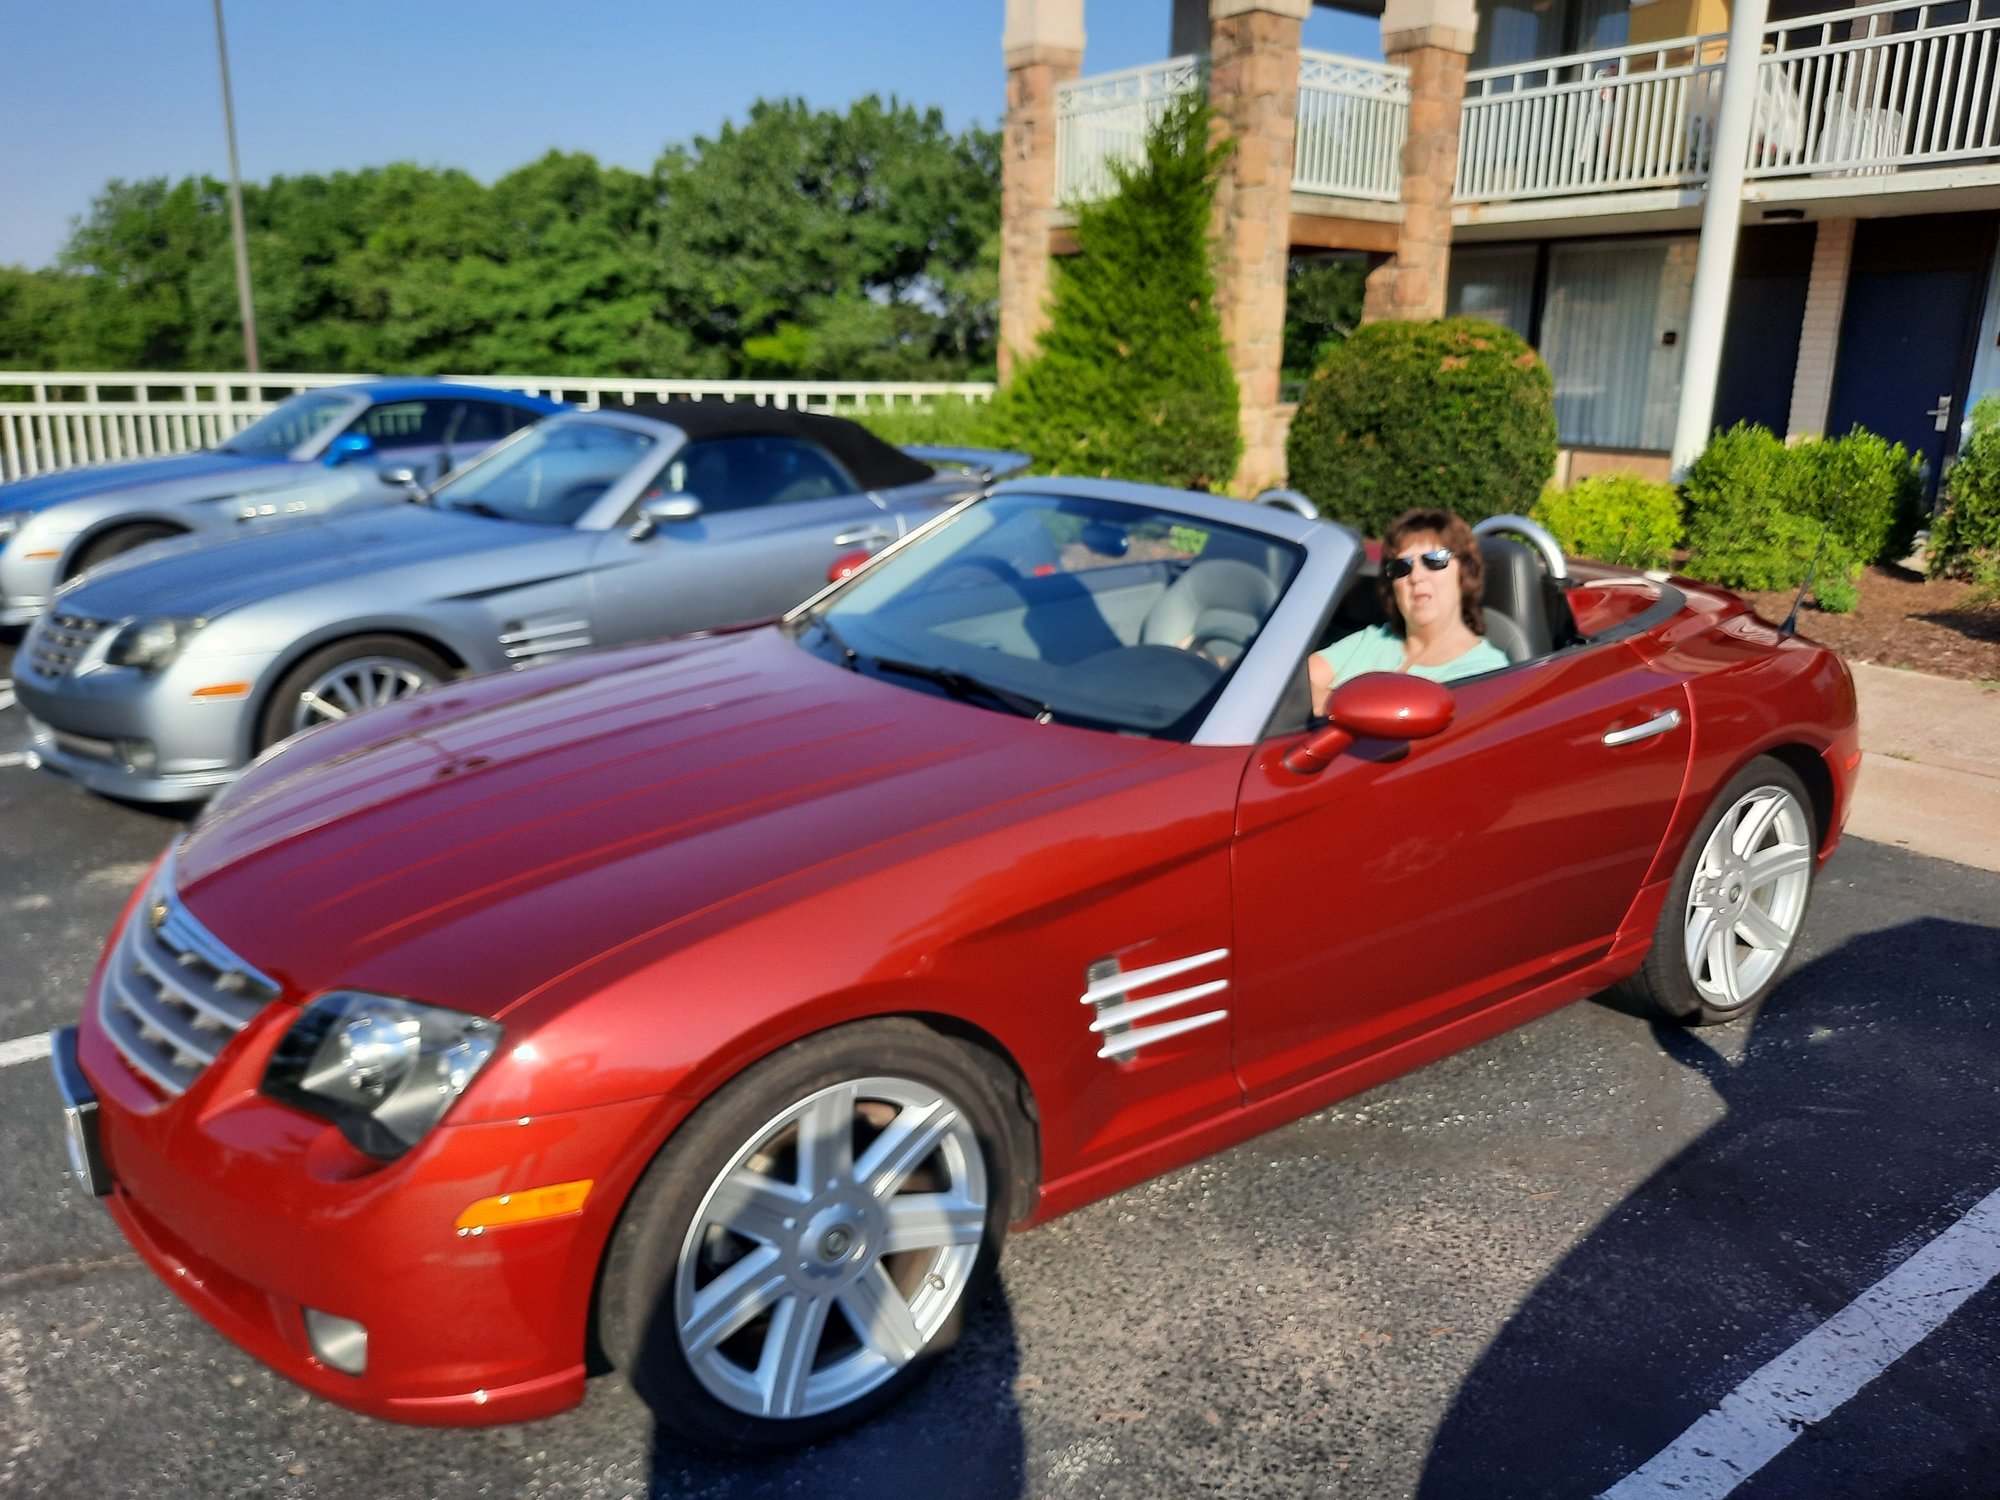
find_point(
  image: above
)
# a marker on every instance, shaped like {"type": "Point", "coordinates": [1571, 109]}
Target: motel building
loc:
{"type": "Point", "coordinates": [1699, 211]}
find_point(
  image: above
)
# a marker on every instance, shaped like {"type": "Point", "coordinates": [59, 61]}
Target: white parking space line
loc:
{"type": "Point", "coordinates": [1808, 1382]}
{"type": "Point", "coordinates": [14, 758]}
{"type": "Point", "coordinates": [27, 1049]}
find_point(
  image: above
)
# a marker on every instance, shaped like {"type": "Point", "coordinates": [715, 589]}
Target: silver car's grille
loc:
{"type": "Point", "coordinates": [59, 641]}
{"type": "Point", "coordinates": [173, 995]}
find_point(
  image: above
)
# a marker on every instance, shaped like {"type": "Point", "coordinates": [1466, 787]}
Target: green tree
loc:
{"type": "Point", "coordinates": [1131, 377]}
{"type": "Point", "coordinates": [1323, 297]}
{"type": "Point", "coordinates": [815, 243]}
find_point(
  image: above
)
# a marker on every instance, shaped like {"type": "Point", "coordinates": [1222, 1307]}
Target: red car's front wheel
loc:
{"type": "Point", "coordinates": [808, 1241]}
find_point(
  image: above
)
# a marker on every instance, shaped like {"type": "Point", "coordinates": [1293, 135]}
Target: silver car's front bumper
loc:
{"type": "Point", "coordinates": [22, 610]}
{"type": "Point", "coordinates": [26, 585]}
{"type": "Point", "coordinates": [143, 736]}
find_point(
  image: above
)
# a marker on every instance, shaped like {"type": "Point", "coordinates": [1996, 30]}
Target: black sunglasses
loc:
{"type": "Point", "coordinates": [1437, 560]}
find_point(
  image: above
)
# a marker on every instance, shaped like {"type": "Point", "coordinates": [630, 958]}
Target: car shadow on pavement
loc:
{"type": "Point", "coordinates": [957, 1434]}
{"type": "Point", "coordinates": [1862, 1116]}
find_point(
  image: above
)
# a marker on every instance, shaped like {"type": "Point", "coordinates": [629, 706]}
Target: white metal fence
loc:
{"type": "Point", "coordinates": [1353, 118]}
{"type": "Point", "coordinates": [1880, 88]}
{"type": "Point", "coordinates": [58, 420]}
{"type": "Point", "coordinates": [1105, 119]}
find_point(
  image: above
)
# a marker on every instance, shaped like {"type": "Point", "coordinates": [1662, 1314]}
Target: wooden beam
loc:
{"type": "Point", "coordinates": [1327, 232]}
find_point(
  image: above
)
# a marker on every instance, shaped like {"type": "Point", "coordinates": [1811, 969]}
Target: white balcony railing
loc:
{"type": "Point", "coordinates": [1105, 119]}
{"type": "Point", "coordinates": [1591, 122]}
{"type": "Point", "coordinates": [1880, 88]}
{"type": "Point", "coordinates": [58, 420]}
{"type": "Point", "coordinates": [1352, 119]}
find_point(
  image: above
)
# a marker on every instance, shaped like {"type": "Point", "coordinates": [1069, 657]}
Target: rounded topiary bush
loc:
{"type": "Point", "coordinates": [1615, 518]}
{"type": "Point", "coordinates": [1458, 413]}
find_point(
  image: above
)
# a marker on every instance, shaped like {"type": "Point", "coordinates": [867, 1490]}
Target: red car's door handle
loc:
{"type": "Point", "coordinates": [1664, 723]}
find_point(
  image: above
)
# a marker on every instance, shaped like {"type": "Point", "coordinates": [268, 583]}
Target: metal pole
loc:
{"type": "Point", "coordinates": [248, 307]}
{"type": "Point", "coordinates": [1721, 221]}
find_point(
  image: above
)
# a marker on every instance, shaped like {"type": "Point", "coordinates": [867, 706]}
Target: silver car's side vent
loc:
{"type": "Point", "coordinates": [173, 995]}
{"type": "Point", "coordinates": [1117, 1012]}
{"type": "Point", "coordinates": [58, 642]}
{"type": "Point", "coordinates": [524, 641]}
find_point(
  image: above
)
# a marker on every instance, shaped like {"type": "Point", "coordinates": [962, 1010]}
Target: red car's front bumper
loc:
{"type": "Point", "coordinates": [254, 1213]}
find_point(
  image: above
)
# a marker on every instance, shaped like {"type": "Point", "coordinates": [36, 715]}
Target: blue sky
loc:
{"type": "Point", "coordinates": [97, 89]}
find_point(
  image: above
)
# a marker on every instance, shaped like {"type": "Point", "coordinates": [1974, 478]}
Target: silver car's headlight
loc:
{"type": "Point", "coordinates": [12, 521]}
{"type": "Point", "coordinates": [150, 645]}
{"type": "Point", "coordinates": [384, 1070]}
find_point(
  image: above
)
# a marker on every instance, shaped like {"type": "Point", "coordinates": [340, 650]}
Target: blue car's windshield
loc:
{"type": "Point", "coordinates": [549, 475]}
{"type": "Point", "coordinates": [291, 423]}
{"type": "Point", "coordinates": [1102, 613]}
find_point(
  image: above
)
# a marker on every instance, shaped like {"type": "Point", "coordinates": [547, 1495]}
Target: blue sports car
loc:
{"type": "Point", "coordinates": [327, 450]}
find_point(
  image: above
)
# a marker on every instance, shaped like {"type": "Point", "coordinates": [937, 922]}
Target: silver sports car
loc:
{"type": "Point", "coordinates": [158, 677]}
{"type": "Point", "coordinates": [321, 451]}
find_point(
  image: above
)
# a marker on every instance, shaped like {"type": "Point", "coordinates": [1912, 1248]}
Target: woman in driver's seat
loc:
{"type": "Point", "coordinates": [1432, 583]}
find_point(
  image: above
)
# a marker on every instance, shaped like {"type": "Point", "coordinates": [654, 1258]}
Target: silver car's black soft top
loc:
{"type": "Point", "coordinates": [874, 464]}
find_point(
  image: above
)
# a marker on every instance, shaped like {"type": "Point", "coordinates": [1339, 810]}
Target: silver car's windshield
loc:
{"type": "Point", "coordinates": [290, 423]}
{"type": "Point", "coordinates": [1089, 611]}
{"type": "Point", "coordinates": [548, 475]}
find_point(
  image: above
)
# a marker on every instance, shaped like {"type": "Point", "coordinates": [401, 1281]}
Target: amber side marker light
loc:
{"type": "Point", "coordinates": [525, 1207]}
{"type": "Point", "coordinates": [224, 690]}
{"type": "Point", "coordinates": [40, 556]}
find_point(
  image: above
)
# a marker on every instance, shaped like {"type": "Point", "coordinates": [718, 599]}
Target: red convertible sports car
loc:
{"type": "Point", "coordinates": [719, 1004]}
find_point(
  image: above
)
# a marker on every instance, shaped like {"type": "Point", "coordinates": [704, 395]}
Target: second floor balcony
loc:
{"type": "Point", "coordinates": [1858, 100]}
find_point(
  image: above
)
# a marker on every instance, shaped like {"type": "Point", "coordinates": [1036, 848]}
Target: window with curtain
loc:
{"type": "Point", "coordinates": [1613, 333]}
{"type": "Point", "coordinates": [1497, 285]}
{"type": "Point", "coordinates": [1519, 31]}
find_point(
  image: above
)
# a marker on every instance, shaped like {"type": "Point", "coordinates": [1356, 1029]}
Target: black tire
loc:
{"type": "Point", "coordinates": [1666, 984]}
{"type": "Point", "coordinates": [276, 721]}
{"type": "Point", "coordinates": [114, 543]}
{"type": "Point", "coordinates": [638, 1326]}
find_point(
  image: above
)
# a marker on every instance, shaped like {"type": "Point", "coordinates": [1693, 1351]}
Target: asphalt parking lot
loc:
{"type": "Point", "coordinates": [1524, 1271]}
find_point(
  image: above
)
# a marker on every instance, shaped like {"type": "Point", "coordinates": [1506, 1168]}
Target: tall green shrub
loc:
{"type": "Point", "coordinates": [1615, 518]}
{"type": "Point", "coordinates": [1132, 378]}
{"type": "Point", "coordinates": [1458, 413]}
{"type": "Point", "coordinates": [1759, 511]}
{"type": "Point", "coordinates": [1965, 538]}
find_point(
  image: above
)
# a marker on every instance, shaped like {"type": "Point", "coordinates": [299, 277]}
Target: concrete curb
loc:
{"type": "Point", "coordinates": [1930, 777]}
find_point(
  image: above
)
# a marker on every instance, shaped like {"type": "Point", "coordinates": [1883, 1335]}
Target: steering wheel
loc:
{"type": "Point", "coordinates": [969, 572]}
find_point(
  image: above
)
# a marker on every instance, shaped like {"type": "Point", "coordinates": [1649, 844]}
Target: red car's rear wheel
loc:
{"type": "Point", "coordinates": [1738, 902]}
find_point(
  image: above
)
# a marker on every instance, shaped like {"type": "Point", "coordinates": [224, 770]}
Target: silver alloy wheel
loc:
{"type": "Point", "coordinates": [832, 1248]}
{"type": "Point", "coordinates": [1748, 896]}
{"type": "Point", "coordinates": [365, 682]}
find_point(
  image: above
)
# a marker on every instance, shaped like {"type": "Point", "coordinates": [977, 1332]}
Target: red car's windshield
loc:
{"type": "Point", "coordinates": [1089, 611]}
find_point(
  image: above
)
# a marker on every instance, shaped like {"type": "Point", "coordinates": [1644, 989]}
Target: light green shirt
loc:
{"type": "Point", "coordinates": [1378, 649]}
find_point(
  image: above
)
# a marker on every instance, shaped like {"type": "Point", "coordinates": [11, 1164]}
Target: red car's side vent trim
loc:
{"type": "Point", "coordinates": [1108, 991]}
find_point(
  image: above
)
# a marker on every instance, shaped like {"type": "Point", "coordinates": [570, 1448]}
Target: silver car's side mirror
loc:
{"type": "Point", "coordinates": [656, 511]}
{"type": "Point", "coordinates": [407, 477]}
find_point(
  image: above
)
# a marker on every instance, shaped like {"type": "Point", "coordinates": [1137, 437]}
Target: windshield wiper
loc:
{"type": "Point", "coordinates": [849, 657]}
{"type": "Point", "coordinates": [964, 685]}
{"type": "Point", "coordinates": [480, 508]}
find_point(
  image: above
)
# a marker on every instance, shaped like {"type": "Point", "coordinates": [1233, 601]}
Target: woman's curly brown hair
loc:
{"type": "Point", "coordinates": [1456, 535]}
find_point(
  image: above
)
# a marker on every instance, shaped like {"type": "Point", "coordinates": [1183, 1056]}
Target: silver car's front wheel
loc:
{"type": "Point", "coordinates": [832, 1248]}
{"type": "Point", "coordinates": [1748, 896]}
{"type": "Point", "coordinates": [807, 1241]}
{"type": "Point", "coordinates": [351, 686]}
{"type": "Point", "coordinates": [345, 678]}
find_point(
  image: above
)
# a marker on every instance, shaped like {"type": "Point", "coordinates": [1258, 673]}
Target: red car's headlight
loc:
{"type": "Point", "coordinates": [384, 1070]}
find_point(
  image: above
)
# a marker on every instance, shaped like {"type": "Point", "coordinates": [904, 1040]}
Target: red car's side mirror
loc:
{"type": "Point", "coordinates": [1374, 706]}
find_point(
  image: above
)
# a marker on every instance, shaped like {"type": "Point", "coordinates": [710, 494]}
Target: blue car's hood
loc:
{"type": "Point", "coordinates": [45, 490]}
{"type": "Point", "coordinates": [195, 576]}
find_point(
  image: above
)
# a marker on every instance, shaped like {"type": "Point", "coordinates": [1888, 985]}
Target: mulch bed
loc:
{"type": "Point", "coordinates": [1902, 620]}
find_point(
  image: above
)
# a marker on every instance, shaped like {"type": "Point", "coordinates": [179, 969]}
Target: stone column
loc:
{"type": "Point", "coordinates": [1254, 86]}
{"type": "Point", "coordinates": [1819, 337]}
{"type": "Point", "coordinates": [1043, 46]}
{"type": "Point", "coordinates": [1432, 38]}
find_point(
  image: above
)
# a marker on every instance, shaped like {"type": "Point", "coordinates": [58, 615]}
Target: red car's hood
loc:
{"type": "Point", "coordinates": [482, 840]}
